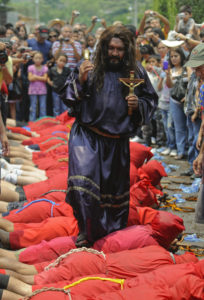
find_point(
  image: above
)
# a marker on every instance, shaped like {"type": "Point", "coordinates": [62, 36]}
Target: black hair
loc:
{"type": "Point", "coordinates": [9, 25]}
{"type": "Point", "coordinates": [61, 54]}
{"type": "Point", "coordinates": [2, 30]}
{"type": "Point", "coordinates": [55, 30]}
{"type": "Point", "coordinates": [180, 52]}
{"type": "Point", "coordinates": [146, 49]}
{"type": "Point", "coordinates": [185, 8]}
{"type": "Point", "coordinates": [25, 29]}
{"type": "Point", "coordinates": [132, 29]}
{"type": "Point", "coordinates": [146, 28]}
{"type": "Point", "coordinates": [155, 56]}
{"type": "Point", "coordinates": [159, 32]}
{"type": "Point", "coordinates": [202, 33]}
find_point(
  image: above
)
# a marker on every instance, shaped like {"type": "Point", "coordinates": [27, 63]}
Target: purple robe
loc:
{"type": "Point", "coordinates": [98, 182]}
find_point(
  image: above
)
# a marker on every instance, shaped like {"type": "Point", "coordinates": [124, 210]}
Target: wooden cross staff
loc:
{"type": "Point", "coordinates": [131, 82]}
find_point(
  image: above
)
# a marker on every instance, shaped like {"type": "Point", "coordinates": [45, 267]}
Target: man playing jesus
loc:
{"type": "Point", "coordinates": [98, 182]}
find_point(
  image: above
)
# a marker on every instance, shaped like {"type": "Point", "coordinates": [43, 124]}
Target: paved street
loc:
{"type": "Point", "coordinates": [171, 185]}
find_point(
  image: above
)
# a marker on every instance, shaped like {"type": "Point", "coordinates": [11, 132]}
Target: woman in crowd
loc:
{"type": "Point", "coordinates": [177, 70]}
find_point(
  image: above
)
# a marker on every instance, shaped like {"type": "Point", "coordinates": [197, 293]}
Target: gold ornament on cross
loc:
{"type": "Point", "coordinates": [131, 82]}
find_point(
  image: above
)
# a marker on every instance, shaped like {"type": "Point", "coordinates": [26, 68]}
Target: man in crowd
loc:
{"type": "Point", "coordinates": [67, 45]}
{"type": "Point", "coordinates": [40, 43]}
{"type": "Point", "coordinates": [196, 61]}
{"type": "Point", "coordinates": [98, 182]}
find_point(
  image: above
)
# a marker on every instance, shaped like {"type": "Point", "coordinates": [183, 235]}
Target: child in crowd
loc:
{"type": "Point", "coordinates": [154, 132]}
{"type": "Point", "coordinates": [37, 75]}
{"type": "Point", "coordinates": [184, 22]}
{"type": "Point", "coordinates": [57, 76]}
{"type": "Point", "coordinates": [90, 44]}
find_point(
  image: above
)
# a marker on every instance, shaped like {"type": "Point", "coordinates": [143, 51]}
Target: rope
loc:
{"type": "Point", "coordinates": [174, 207]}
{"type": "Point", "coordinates": [191, 198]}
{"type": "Point", "coordinates": [59, 131]}
{"type": "Point", "coordinates": [48, 289]}
{"type": "Point", "coordinates": [197, 250]}
{"type": "Point", "coordinates": [52, 191]}
{"type": "Point", "coordinates": [54, 138]}
{"type": "Point", "coordinates": [119, 281]}
{"type": "Point", "coordinates": [83, 249]}
{"type": "Point", "coordinates": [36, 201]}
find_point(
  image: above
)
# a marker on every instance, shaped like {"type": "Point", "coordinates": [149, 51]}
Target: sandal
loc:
{"type": "Point", "coordinates": [82, 241]}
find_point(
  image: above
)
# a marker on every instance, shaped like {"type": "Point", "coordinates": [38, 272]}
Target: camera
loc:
{"type": "Point", "coordinates": [151, 13]}
{"type": "Point", "coordinates": [27, 56]}
{"type": "Point", "coordinates": [24, 49]}
{"type": "Point", "coordinates": [76, 13]}
{"type": "Point", "coordinates": [98, 20]}
{"type": "Point", "coordinates": [3, 57]}
{"type": "Point", "coordinates": [165, 65]}
{"type": "Point", "coordinates": [64, 39]}
{"type": "Point", "coordinates": [181, 15]}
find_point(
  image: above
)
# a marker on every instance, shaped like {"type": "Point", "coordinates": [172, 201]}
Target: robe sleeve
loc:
{"type": "Point", "coordinates": [73, 92]}
{"type": "Point", "coordinates": [147, 98]}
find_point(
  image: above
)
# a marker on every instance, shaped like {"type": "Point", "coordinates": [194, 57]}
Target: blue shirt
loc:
{"type": "Point", "coordinates": [44, 47]}
{"type": "Point", "coordinates": [201, 96]}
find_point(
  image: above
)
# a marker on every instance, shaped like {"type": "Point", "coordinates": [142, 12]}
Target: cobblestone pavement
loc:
{"type": "Point", "coordinates": [171, 185]}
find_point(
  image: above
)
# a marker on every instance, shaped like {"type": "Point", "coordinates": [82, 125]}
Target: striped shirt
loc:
{"type": "Point", "coordinates": [69, 51]}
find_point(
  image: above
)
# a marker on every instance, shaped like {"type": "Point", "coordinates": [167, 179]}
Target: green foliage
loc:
{"type": "Point", "coordinates": [122, 10]}
{"type": "Point", "coordinates": [167, 9]}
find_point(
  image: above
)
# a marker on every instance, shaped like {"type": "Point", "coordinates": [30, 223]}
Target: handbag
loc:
{"type": "Point", "coordinates": [178, 91]}
{"type": "Point", "coordinates": [15, 89]}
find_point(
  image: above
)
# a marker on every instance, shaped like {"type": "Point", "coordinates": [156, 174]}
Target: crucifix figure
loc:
{"type": "Point", "coordinates": [131, 82]}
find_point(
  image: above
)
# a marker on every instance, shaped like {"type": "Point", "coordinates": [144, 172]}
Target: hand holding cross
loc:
{"type": "Point", "coordinates": [131, 82]}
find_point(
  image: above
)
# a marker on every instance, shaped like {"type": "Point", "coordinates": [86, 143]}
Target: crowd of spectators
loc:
{"type": "Point", "coordinates": [43, 58]}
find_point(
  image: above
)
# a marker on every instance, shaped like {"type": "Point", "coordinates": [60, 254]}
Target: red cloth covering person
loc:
{"type": "Point", "coordinates": [124, 264]}
{"type": "Point", "coordinates": [36, 190]}
{"type": "Point", "coordinates": [19, 130]}
{"type": "Point", "coordinates": [28, 234]}
{"type": "Point", "coordinates": [139, 153]}
{"type": "Point", "coordinates": [165, 225]}
{"type": "Point", "coordinates": [49, 121]}
{"type": "Point", "coordinates": [174, 282]}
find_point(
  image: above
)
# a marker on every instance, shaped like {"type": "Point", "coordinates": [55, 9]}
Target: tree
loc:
{"type": "Point", "coordinates": [110, 10]}
{"type": "Point", "coordinates": [167, 9]}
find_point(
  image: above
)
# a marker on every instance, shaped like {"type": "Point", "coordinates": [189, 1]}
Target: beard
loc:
{"type": "Point", "coordinates": [114, 64]}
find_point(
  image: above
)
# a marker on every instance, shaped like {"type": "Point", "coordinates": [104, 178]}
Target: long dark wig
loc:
{"type": "Point", "coordinates": [101, 55]}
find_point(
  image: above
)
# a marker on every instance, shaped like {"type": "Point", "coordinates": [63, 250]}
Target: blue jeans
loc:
{"type": "Point", "coordinates": [179, 120]}
{"type": "Point", "coordinates": [58, 105]}
{"type": "Point", "coordinates": [193, 130]}
{"type": "Point", "coordinates": [33, 106]}
{"type": "Point", "coordinates": [169, 129]}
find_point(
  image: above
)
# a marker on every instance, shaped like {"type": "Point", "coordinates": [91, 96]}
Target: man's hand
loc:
{"type": "Point", "coordinates": [75, 14]}
{"type": "Point", "coordinates": [199, 140]}
{"type": "Point", "coordinates": [197, 164]}
{"type": "Point", "coordinates": [5, 144]}
{"type": "Point", "coordinates": [94, 19]}
{"type": "Point", "coordinates": [200, 136]}
{"type": "Point", "coordinates": [85, 67]}
{"type": "Point", "coordinates": [103, 23]}
{"type": "Point", "coordinates": [132, 101]}
{"type": "Point", "coordinates": [2, 46]}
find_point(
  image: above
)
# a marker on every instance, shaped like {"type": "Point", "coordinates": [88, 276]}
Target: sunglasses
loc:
{"type": "Point", "coordinates": [51, 36]}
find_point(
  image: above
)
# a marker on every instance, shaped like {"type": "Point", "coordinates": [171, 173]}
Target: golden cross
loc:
{"type": "Point", "coordinates": [131, 82]}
